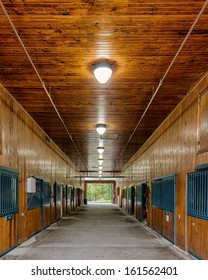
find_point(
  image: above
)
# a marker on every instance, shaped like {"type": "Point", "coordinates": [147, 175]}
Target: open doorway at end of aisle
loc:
{"type": "Point", "coordinates": [99, 192]}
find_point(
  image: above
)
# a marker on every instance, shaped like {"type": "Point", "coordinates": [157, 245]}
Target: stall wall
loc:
{"type": "Point", "coordinates": [23, 147]}
{"type": "Point", "coordinates": [178, 146]}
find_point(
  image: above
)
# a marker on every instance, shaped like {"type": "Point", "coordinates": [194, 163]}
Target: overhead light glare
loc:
{"type": "Point", "coordinates": [100, 150]}
{"type": "Point", "coordinates": [102, 72]}
{"type": "Point", "coordinates": [101, 128]}
{"type": "Point", "coordinates": [100, 161]}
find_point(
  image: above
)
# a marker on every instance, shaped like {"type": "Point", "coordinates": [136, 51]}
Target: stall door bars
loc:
{"type": "Point", "coordinates": [197, 194]}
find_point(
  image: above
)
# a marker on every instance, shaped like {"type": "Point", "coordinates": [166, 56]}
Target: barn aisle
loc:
{"type": "Point", "coordinates": [100, 232]}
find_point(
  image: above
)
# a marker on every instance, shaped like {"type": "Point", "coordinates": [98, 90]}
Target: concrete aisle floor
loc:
{"type": "Point", "coordinates": [97, 232]}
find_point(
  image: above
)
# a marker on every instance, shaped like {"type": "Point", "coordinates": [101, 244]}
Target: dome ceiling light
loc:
{"type": "Point", "coordinates": [102, 72]}
{"type": "Point", "coordinates": [100, 150]}
{"type": "Point", "coordinates": [101, 128]}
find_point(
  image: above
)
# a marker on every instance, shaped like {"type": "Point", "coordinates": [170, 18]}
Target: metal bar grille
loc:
{"type": "Point", "coordinates": [168, 185]}
{"type": "Point", "coordinates": [157, 193]}
{"type": "Point", "coordinates": [139, 193]}
{"type": "Point", "coordinates": [8, 191]}
{"type": "Point", "coordinates": [197, 194]}
{"type": "Point", "coordinates": [163, 190]}
{"type": "Point", "coordinates": [46, 193]}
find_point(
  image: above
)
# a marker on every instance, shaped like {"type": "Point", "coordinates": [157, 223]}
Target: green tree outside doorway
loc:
{"type": "Point", "coordinates": [99, 193]}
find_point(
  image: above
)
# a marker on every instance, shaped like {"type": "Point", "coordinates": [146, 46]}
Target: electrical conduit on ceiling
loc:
{"type": "Point", "coordinates": [163, 78]}
{"type": "Point", "coordinates": [40, 79]}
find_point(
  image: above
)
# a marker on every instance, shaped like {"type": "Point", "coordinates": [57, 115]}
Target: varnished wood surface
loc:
{"type": "Point", "coordinates": [25, 149]}
{"type": "Point", "coordinates": [66, 38]}
{"type": "Point", "coordinates": [58, 210]}
{"type": "Point", "coordinates": [168, 226]}
{"type": "Point", "coordinates": [174, 149]}
{"type": "Point", "coordinates": [157, 220]}
{"type": "Point", "coordinates": [8, 233]}
{"type": "Point", "coordinates": [198, 237]}
{"type": "Point", "coordinates": [47, 216]}
{"type": "Point", "coordinates": [34, 221]}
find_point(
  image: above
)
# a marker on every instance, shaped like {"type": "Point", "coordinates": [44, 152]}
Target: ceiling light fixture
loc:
{"type": "Point", "coordinates": [100, 161]}
{"type": "Point", "coordinates": [101, 128]}
{"type": "Point", "coordinates": [100, 167]}
{"type": "Point", "coordinates": [100, 150]}
{"type": "Point", "coordinates": [102, 72]}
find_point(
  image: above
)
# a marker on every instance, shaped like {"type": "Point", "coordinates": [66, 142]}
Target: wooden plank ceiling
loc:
{"type": "Point", "coordinates": [64, 39]}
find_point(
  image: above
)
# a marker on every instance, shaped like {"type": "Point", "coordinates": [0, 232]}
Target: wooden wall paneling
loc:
{"type": "Point", "coordinates": [8, 233]}
{"type": "Point", "coordinates": [1, 234]}
{"type": "Point", "coordinates": [202, 121]}
{"type": "Point", "coordinates": [14, 230]}
{"type": "Point", "coordinates": [157, 219]}
{"type": "Point", "coordinates": [34, 221]}
{"type": "Point", "coordinates": [203, 233]}
{"type": "Point", "coordinates": [181, 219]}
{"type": "Point", "coordinates": [5, 235]}
{"type": "Point", "coordinates": [198, 237]}
{"type": "Point", "coordinates": [192, 237]}
{"type": "Point", "coordinates": [24, 148]}
{"type": "Point", "coordinates": [186, 158]}
{"type": "Point", "coordinates": [141, 67]}
{"type": "Point", "coordinates": [47, 215]}
{"type": "Point", "coordinates": [168, 226]}
{"type": "Point", "coordinates": [173, 149]}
